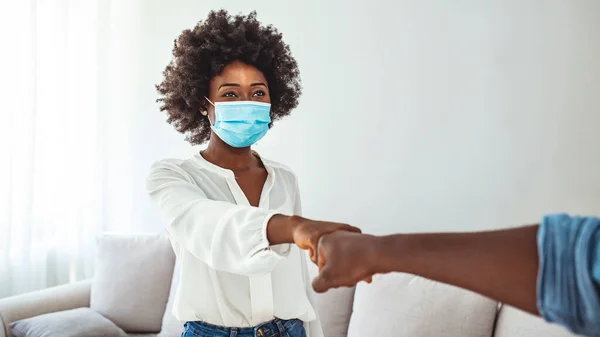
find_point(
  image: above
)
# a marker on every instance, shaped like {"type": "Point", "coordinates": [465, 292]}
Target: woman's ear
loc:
{"type": "Point", "coordinates": [204, 107]}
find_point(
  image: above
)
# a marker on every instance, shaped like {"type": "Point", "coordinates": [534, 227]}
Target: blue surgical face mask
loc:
{"type": "Point", "coordinates": [241, 123]}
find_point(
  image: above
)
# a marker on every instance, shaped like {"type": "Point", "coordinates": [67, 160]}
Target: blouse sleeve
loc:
{"type": "Point", "coordinates": [224, 235]}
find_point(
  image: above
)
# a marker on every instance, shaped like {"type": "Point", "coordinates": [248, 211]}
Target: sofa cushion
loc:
{"type": "Point", "coordinates": [516, 323]}
{"type": "Point", "coordinates": [132, 280]}
{"type": "Point", "coordinates": [69, 323]}
{"type": "Point", "coordinates": [406, 305]}
{"type": "Point", "coordinates": [333, 307]}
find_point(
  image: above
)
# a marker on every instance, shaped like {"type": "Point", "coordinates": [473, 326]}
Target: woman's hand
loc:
{"type": "Point", "coordinates": [306, 234]}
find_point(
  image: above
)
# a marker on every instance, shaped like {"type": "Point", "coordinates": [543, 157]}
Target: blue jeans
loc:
{"type": "Point", "coordinates": [274, 328]}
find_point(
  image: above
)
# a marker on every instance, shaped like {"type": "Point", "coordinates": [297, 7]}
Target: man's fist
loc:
{"type": "Point", "coordinates": [344, 259]}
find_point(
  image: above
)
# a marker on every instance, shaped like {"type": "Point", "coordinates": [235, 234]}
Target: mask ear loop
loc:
{"type": "Point", "coordinates": [205, 113]}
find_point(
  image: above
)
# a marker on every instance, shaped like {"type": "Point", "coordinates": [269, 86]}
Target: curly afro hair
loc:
{"type": "Point", "coordinates": [201, 54]}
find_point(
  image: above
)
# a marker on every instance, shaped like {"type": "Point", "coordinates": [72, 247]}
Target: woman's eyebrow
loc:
{"type": "Point", "coordinates": [237, 85]}
{"type": "Point", "coordinates": [229, 85]}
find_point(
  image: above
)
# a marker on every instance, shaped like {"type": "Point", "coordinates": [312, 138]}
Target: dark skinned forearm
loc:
{"type": "Point", "coordinates": [502, 265]}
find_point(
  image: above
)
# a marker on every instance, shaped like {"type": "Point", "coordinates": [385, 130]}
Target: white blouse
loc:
{"type": "Point", "coordinates": [230, 275]}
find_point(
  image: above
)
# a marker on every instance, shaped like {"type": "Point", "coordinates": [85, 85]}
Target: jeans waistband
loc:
{"type": "Point", "coordinates": [270, 328]}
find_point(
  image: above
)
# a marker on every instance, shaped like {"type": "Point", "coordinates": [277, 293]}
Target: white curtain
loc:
{"type": "Point", "coordinates": [53, 136]}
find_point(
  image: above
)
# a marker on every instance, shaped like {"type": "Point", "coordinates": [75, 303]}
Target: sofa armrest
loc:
{"type": "Point", "coordinates": [64, 297]}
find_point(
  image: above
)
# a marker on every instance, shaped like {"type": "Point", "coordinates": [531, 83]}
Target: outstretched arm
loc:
{"type": "Point", "coordinates": [502, 264]}
{"type": "Point", "coordinates": [552, 269]}
{"type": "Point", "coordinates": [228, 237]}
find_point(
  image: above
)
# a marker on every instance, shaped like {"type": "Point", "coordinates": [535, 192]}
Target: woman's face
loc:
{"type": "Point", "coordinates": [237, 82]}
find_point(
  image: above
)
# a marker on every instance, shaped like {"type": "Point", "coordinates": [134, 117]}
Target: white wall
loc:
{"type": "Point", "coordinates": [416, 115]}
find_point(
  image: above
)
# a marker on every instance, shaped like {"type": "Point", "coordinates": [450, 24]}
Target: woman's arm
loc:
{"type": "Point", "coordinates": [226, 236]}
{"type": "Point", "coordinates": [499, 264]}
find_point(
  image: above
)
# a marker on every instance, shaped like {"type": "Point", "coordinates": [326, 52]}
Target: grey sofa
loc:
{"type": "Point", "coordinates": [393, 305]}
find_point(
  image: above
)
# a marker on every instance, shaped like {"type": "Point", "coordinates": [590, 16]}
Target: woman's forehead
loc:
{"type": "Point", "coordinates": [239, 72]}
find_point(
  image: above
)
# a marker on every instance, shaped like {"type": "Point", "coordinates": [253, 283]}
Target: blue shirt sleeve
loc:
{"type": "Point", "coordinates": [569, 276]}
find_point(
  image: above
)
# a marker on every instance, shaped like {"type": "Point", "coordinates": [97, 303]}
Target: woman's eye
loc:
{"type": "Point", "coordinates": [259, 93]}
{"type": "Point", "coordinates": [229, 94]}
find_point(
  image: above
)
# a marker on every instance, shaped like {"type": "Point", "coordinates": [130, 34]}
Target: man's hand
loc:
{"type": "Point", "coordinates": [344, 259]}
{"type": "Point", "coordinates": [307, 233]}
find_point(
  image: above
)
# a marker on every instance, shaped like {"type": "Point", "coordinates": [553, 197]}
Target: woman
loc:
{"type": "Point", "coordinates": [231, 215]}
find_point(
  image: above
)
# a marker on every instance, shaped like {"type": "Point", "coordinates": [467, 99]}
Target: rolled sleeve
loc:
{"type": "Point", "coordinates": [569, 275]}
